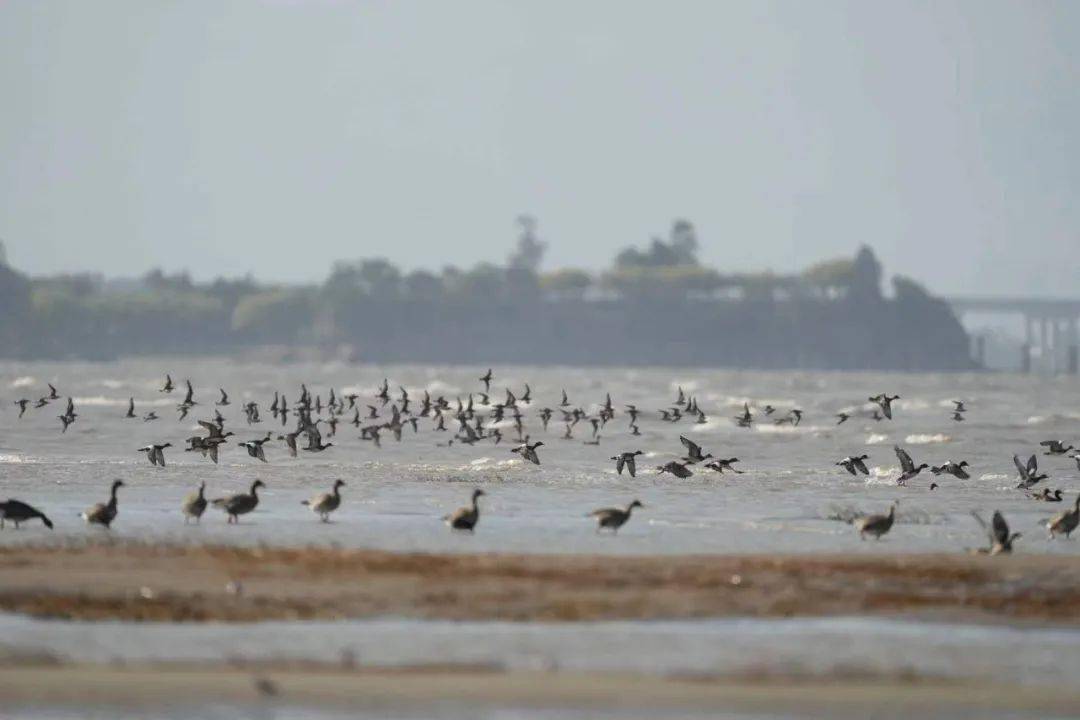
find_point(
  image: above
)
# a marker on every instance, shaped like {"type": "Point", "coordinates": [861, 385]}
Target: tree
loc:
{"type": "Point", "coordinates": [529, 252]}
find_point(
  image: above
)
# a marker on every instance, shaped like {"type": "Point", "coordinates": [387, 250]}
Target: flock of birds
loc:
{"type": "Point", "coordinates": [481, 420]}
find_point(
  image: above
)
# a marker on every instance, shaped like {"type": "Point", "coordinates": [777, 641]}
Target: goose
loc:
{"type": "Point", "coordinates": [241, 503]}
{"type": "Point", "coordinates": [907, 466]}
{"type": "Point", "coordinates": [290, 441]}
{"type": "Point", "coordinates": [486, 379]}
{"type": "Point", "coordinates": [155, 453]}
{"type": "Point", "coordinates": [959, 406]}
{"type": "Point", "coordinates": [626, 460]}
{"type": "Point", "coordinates": [528, 452]}
{"type": "Point", "coordinates": [746, 420]}
{"type": "Point", "coordinates": [255, 448]}
{"type": "Point", "coordinates": [768, 409]}
{"type": "Point", "coordinates": [65, 420]}
{"type": "Point", "coordinates": [22, 403]}
{"type": "Point", "coordinates": [720, 464]}
{"type": "Point", "coordinates": [565, 402]}
{"type": "Point", "coordinates": [465, 518]}
{"type": "Point", "coordinates": [1076, 458]}
{"type": "Point", "coordinates": [194, 505]}
{"type": "Point", "coordinates": [325, 503]}
{"type": "Point", "coordinates": [189, 396]}
{"type": "Point", "coordinates": [958, 417]}
{"type": "Point", "coordinates": [224, 398]}
{"type": "Point", "coordinates": [613, 518]}
{"type": "Point", "coordinates": [1028, 473]}
{"type": "Point", "coordinates": [19, 512]}
{"type": "Point", "coordinates": [53, 395]}
{"type": "Point", "coordinates": [1064, 522]}
{"type": "Point", "coordinates": [131, 409]}
{"type": "Point", "coordinates": [678, 469]}
{"type": "Point", "coordinates": [1055, 447]}
{"type": "Point", "coordinates": [953, 468]}
{"type": "Point", "coordinates": [1001, 540]}
{"type": "Point", "coordinates": [855, 464]}
{"type": "Point", "coordinates": [842, 418]}
{"type": "Point", "coordinates": [876, 525]}
{"type": "Point", "coordinates": [693, 451]}
{"type": "Point", "coordinates": [168, 386]}
{"type": "Point", "coordinates": [884, 401]}
{"type": "Point", "coordinates": [1047, 496]}
{"type": "Point", "coordinates": [150, 416]}
{"type": "Point", "coordinates": [104, 513]}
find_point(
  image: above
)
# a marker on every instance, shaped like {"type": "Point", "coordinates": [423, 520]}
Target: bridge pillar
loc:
{"type": "Point", "coordinates": [1072, 364]}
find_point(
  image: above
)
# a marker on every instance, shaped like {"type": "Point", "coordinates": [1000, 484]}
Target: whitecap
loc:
{"type": "Point", "coordinates": [24, 381]}
{"type": "Point", "coordinates": [927, 439]}
{"type": "Point", "coordinates": [876, 439]}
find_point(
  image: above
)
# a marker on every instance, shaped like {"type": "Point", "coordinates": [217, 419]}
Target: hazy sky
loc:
{"type": "Point", "coordinates": [275, 137]}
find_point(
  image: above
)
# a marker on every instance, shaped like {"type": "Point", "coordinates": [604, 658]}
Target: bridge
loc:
{"type": "Point", "coordinates": [1052, 323]}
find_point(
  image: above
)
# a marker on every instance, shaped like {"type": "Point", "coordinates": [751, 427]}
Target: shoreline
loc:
{"type": "Point", "coordinates": [202, 583]}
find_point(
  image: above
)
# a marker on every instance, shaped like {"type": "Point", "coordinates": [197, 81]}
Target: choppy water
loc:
{"type": "Point", "coordinates": [787, 500]}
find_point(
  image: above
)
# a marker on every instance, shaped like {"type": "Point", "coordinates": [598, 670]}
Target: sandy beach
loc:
{"type": "Point", "coordinates": [135, 581]}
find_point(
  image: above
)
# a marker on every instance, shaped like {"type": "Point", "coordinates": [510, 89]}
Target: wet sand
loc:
{"type": "Point", "coordinates": [173, 583]}
{"type": "Point", "coordinates": [477, 689]}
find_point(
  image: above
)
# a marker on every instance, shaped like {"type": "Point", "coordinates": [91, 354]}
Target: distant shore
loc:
{"type": "Point", "coordinates": [136, 581]}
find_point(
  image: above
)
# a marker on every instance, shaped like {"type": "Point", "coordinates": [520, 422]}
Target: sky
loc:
{"type": "Point", "coordinates": [276, 137]}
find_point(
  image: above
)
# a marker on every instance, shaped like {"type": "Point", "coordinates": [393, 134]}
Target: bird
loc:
{"type": "Point", "coordinates": [959, 406]}
{"type": "Point", "coordinates": [194, 505]}
{"type": "Point", "coordinates": [720, 464]}
{"type": "Point", "coordinates": [22, 403]}
{"type": "Point", "coordinates": [953, 468]}
{"type": "Point", "coordinates": [626, 460]}
{"type": "Point", "coordinates": [876, 525]}
{"type": "Point", "coordinates": [168, 386]}
{"type": "Point", "coordinates": [678, 469]}
{"type": "Point", "coordinates": [613, 518]}
{"type": "Point", "coordinates": [131, 409]}
{"type": "Point", "coordinates": [1076, 458]}
{"type": "Point", "coordinates": [1064, 522]}
{"type": "Point", "coordinates": [958, 417]}
{"type": "Point", "coordinates": [240, 503]}
{"type": "Point", "coordinates": [693, 451]}
{"type": "Point", "coordinates": [17, 512]}
{"type": "Point", "coordinates": [1047, 496]}
{"type": "Point", "coordinates": [224, 398]}
{"type": "Point", "coordinates": [1055, 447]}
{"type": "Point", "coordinates": [1001, 540]}
{"type": "Point", "coordinates": [53, 395]}
{"type": "Point", "coordinates": [255, 447]}
{"type": "Point", "coordinates": [907, 466]}
{"type": "Point", "coordinates": [528, 452]}
{"type": "Point", "coordinates": [1028, 473]}
{"type": "Point", "coordinates": [855, 464]}
{"type": "Point", "coordinates": [104, 513]}
{"type": "Point", "coordinates": [465, 518]}
{"type": "Point", "coordinates": [842, 418]}
{"type": "Point", "coordinates": [155, 453]}
{"type": "Point", "coordinates": [884, 401]}
{"type": "Point", "coordinates": [486, 379]}
{"type": "Point", "coordinates": [325, 503]}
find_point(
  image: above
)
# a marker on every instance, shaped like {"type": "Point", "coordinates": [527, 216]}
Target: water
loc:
{"type": "Point", "coordinates": [789, 499]}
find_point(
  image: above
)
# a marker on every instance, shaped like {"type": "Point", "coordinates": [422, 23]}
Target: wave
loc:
{"type": "Point", "coordinates": [24, 381]}
{"type": "Point", "coordinates": [876, 439]}
{"type": "Point", "coordinates": [927, 439]}
{"type": "Point", "coordinates": [15, 459]}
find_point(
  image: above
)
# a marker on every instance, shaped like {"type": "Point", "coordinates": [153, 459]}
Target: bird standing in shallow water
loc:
{"type": "Point", "coordinates": [104, 513]}
{"type": "Point", "coordinates": [194, 505]}
{"type": "Point", "coordinates": [18, 512]}
{"type": "Point", "coordinates": [325, 503]}
{"type": "Point", "coordinates": [241, 503]}
{"type": "Point", "coordinates": [613, 518]}
{"type": "Point", "coordinates": [466, 518]}
{"type": "Point", "coordinates": [876, 525]}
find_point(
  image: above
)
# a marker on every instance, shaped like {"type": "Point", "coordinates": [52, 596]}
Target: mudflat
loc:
{"type": "Point", "coordinates": [193, 583]}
